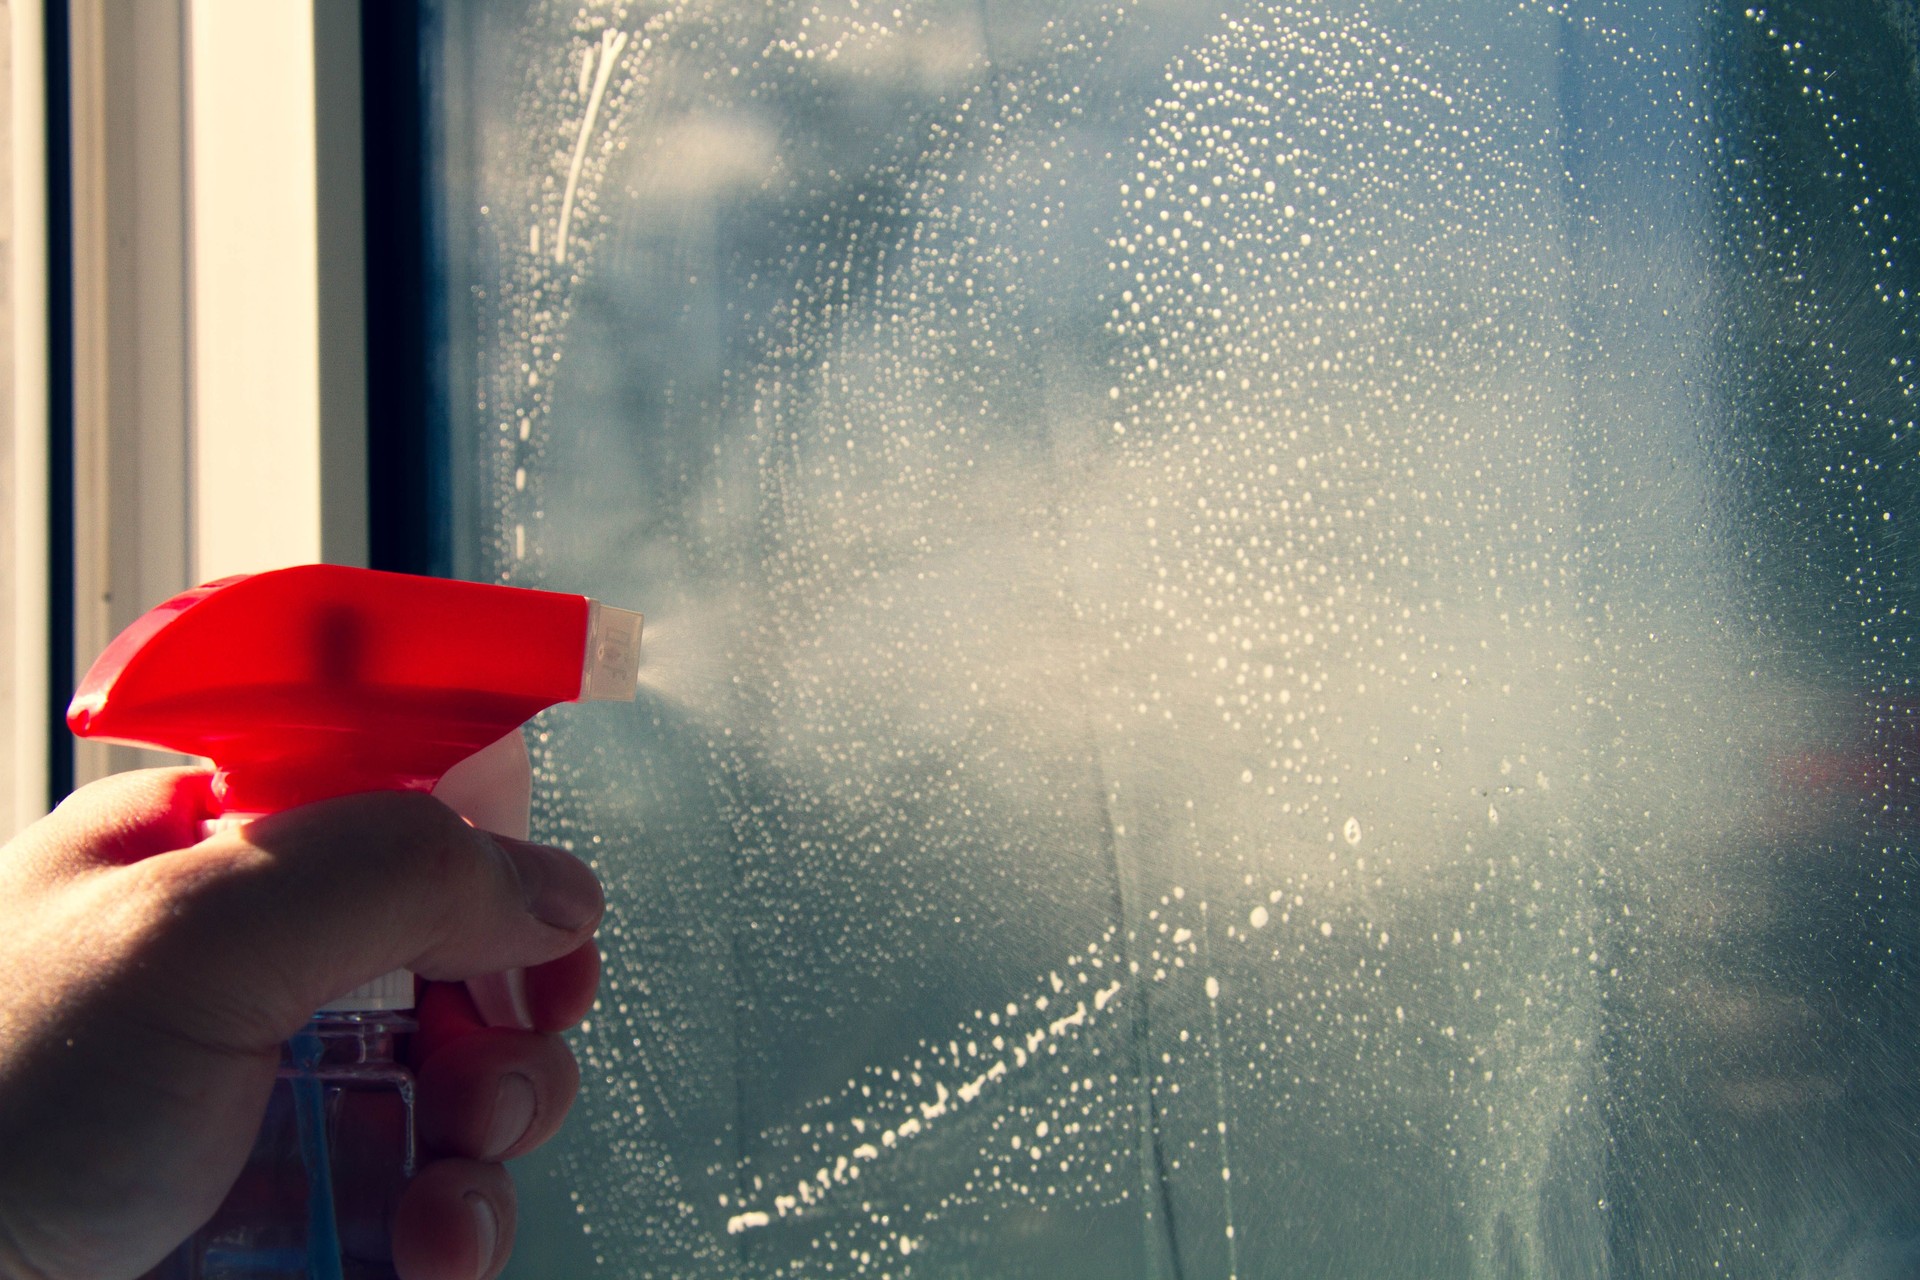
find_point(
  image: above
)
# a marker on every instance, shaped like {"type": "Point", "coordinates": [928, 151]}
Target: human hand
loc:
{"type": "Point", "coordinates": [152, 975]}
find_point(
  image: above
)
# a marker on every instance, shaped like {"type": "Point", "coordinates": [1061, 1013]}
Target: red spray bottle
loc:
{"type": "Point", "coordinates": [312, 682]}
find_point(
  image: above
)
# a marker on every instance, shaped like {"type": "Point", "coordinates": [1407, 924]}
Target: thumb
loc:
{"type": "Point", "coordinates": [289, 911]}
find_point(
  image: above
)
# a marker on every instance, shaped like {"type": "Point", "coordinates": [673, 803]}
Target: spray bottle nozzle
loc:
{"type": "Point", "coordinates": [612, 669]}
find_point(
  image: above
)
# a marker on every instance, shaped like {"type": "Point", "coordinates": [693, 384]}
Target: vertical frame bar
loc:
{"type": "Point", "coordinates": [278, 342]}
{"type": "Point", "coordinates": [340, 273]}
{"type": "Point", "coordinates": [407, 476]}
{"type": "Point", "coordinates": [130, 320]}
{"type": "Point", "coordinates": [29, 621]}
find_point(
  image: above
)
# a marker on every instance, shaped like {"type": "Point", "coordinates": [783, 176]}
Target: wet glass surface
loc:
{"type": "Point", "coordinates": [1280, 639]}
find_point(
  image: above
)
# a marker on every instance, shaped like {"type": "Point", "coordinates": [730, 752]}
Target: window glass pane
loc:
{"type": "Point", "coordinates": [1280, 641]}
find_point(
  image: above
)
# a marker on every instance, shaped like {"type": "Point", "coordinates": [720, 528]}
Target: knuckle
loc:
{"type": "Point", "coordinates": [429, 839]}
{"type": "Point", "coordinates": [451, 860]}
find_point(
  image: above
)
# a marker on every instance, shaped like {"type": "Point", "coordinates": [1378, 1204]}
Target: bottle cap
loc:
{"type": "Point", "coordinates": [390, 992]}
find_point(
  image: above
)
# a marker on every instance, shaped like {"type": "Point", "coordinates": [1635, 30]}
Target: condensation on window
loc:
{"type": "Point", "coordinates": [1279, 634]}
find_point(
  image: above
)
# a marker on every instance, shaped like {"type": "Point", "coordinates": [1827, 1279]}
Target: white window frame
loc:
{"type": "Point", "coordinates": [219, 326]}
{"type": "Point", "coordinates": [26, 616]}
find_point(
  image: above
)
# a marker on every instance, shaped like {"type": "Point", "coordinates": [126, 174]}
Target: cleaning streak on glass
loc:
{"type": "Point", "coordinates": [1279, 633]}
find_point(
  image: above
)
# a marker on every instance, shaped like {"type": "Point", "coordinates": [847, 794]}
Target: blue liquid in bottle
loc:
{"type": "Point", "coordinates": [316, 1198]}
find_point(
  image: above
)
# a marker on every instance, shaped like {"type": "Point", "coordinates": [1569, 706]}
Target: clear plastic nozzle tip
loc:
{"type": "Point", "coordinates": [612, 668]}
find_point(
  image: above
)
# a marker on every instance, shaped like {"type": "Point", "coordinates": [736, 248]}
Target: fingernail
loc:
{"type": "Point", "coordinates": [560, 888]}
{"type": "Point", "coordinates": [486, 1229]}
{"type": "Point", "coordinates": [512, 1114]}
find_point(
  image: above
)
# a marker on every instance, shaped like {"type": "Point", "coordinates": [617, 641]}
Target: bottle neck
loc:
{"type": "Point", "coordinates": [338, 1038]}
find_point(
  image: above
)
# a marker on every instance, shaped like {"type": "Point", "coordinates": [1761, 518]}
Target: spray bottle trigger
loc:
{"type": "Point", "coordinates": [493, 790]}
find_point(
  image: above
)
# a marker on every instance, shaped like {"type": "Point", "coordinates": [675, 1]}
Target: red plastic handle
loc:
{"type": "Point", "coordinates": [320, 680]}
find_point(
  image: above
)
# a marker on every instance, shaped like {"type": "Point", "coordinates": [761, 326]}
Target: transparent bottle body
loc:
{"type": "Point", "coordinates": [336, 1147]}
